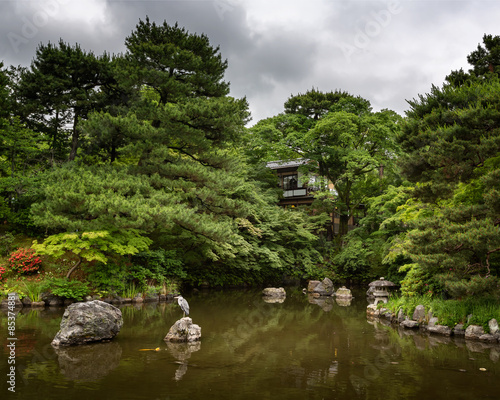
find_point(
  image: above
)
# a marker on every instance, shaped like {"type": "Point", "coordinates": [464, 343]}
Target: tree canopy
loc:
{"type": "Point", "coordinates": [346, 142]}
{"type": "Point", "coordinates": [145, 158]}
{"type": "Point", "coordinates": [169, 164]}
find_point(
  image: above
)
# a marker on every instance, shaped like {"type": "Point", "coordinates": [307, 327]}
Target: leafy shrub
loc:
{"type": "Point", "coordinates": [109, 278]}
{"type": "Point", "coordinates": [477, 286]}
{"type": "Point", "coordinates": [158, 265]}
{"type": "Point", "coordinates": [6, 241]}
{"type": "Point", "coordinates": [63, 287]}
{"type": "Point", "coordinates": [11, 285]}
{"type": "Point", "coordinates": [24, 261]}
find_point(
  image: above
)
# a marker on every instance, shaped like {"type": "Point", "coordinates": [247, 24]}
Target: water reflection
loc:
{"type": "Point", "coordinates": [253, 350]}
{"type": "Point", "coordinates": [89, 362]}
{"type": "Point", "coordinates": [182, 352]}
{"type": "Point", "coordinates": [272, 300]}
{"type": "Point", "coordinates": [325, 302]}
{"type": "Point", "coordinates": [343, 302]}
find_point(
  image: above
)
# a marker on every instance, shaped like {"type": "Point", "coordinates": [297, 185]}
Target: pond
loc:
{"type": "Point", "coordinates": [299, 349]}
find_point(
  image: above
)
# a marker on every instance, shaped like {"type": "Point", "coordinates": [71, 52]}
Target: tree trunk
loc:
{"type": "Point", "coordinates": [343, 226]}
{"type": "Point", "coordinates": [75, 138]}
{"type": "Point", "coordinates": [74, 267]}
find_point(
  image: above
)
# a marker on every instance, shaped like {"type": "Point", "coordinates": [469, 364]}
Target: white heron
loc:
{"type": "Point", "coordinates": [183, 304]}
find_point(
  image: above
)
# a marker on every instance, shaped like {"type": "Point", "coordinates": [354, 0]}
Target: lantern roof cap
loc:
{"type": "Point", "coordinates": [382, 282]}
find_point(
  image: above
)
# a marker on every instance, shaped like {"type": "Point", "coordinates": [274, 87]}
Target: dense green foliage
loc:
{"type": "Point", "coordinates": [345, 143]}
{"type": "Point", "coordinates": [152, 172]}
{"type": "Point", "coordinates": [139, 169]}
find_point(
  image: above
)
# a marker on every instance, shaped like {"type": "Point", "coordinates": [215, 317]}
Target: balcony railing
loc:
{"type": "Point", "coordinates": [295, 192]}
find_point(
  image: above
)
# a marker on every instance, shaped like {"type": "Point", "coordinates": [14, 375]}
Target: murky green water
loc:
{"type": "Point", "coordinates": [249, 350]}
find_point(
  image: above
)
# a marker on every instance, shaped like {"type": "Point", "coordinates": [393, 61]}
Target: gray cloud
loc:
{"type": "Point", "coordinates": [387, 51]}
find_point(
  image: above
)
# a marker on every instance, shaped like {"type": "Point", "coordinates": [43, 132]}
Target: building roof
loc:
{"type": "Point", "coordinates": [287, 164]}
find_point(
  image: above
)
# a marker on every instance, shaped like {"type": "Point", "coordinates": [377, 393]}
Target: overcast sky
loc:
{"type": "Point", "coordinates": [387, 51]}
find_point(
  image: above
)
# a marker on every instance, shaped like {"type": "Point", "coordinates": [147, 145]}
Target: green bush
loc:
{"type": "Point", "coordinates": [158, 265]}
{"type": "Point", "coordinates": [6, 241]}
{"type": "Point", "coordinates": [477, 286]}
{"type": "Point", "coordinates": [109, 278]}
{"type": "Point", "coordinates": [67, 289]}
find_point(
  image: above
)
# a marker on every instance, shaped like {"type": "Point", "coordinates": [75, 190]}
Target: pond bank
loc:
{"type": "Point", "coordinates": [425, 322]}
{"type": "Point", "coordinates": [49, 300]}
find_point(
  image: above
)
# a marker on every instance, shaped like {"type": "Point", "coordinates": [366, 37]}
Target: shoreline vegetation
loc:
{"type": "Point", "coordinates": [450, 313]}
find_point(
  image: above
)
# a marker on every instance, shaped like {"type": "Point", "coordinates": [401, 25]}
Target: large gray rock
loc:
{"type": "Point", "coordinates": [474, 332]}
{"type": "Point", "coordinates": [459, 330]}
{"type": "Point", "coordinates": [13, 300]}
{"type": "Point", "coordinates": [274, 292]}
{"type": "Point", "coordinates": [183, 331]}
{"type": "Point", "coordinates": [401, 316]}
{"type": "Point", "coordinates": [410, 324]}
{"type": "Point", "coordinates": [488, 338]}
{"type": "Point", "coordinates": [440, 329]}
{"type": "Point", "coordinates": [87, 322]}
{"type": "Point", "coordinates": [323, 288]}
{"type": "Point", "coordinates": [493, 325]}
{"type": "Point", "coordinates": [343, 293]}
{"type": "Point", "coordinates": [312, 285]}
{"type": "Point", "coordinates": [419, 314]}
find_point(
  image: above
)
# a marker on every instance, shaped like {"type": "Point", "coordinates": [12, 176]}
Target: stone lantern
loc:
{"type": "Point", "coordinates": [381, 290]}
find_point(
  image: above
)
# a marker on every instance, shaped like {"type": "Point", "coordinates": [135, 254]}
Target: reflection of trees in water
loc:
{"type": "Point", "coordinates": [46, 321]}
{"type": "Point", "coordinates": [281, 351]}
{"type": "Point", "coordinates": [408, 355]}
{"type": "Point", "coordinates": [89, 362]}
{"type": "Point", "coordinates": [256, 333]}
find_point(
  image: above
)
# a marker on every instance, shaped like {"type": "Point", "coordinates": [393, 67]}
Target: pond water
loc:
{"type": "Point", "coordinates": [299, 349]}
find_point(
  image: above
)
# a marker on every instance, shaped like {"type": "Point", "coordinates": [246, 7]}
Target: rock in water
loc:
{"type": "Point", "coordinates": [183, 331]}
{"type": "Point", "coordinates": [274, 292]}
{"type": "Point", "coordinates": [323, 288]}
{"type": "Point", "coordinates": [92, 321]}
{"type": "Point", "coordinates": [343, 293]}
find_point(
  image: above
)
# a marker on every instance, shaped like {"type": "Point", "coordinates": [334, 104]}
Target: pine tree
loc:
{"type": "Point", "coordinates": [63, 84]}
{"type": "Point", "coordinates": [174, 168]}
{"type": "Point", "coordinates": [452, 140]}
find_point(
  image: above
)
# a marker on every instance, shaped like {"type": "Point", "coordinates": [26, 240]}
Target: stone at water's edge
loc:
{"type": "Point", "coordinates": [274, 292]}
{"type": "Point", "coordinates": [13, 300]}
{"type": "Point", "coordinates": [440, 329]}
{"type": "Point", "coordinates": [474, 332]}
{"type": "Point", "coordinates": [88, 322]}
{"type": "Point", "coordinates": [183, 331]}
{"type": "Point", "coordinates": [411, 324]}
{"type": "Point", "coordinates": [419, 313]}
{"type": "Point", "coordinates": [493, 325]}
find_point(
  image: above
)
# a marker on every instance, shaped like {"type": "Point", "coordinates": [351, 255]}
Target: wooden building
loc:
{"type": "Point", "coordinates": [295, 191]}
{"type": "Point", "coordinates": [298, 190]}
